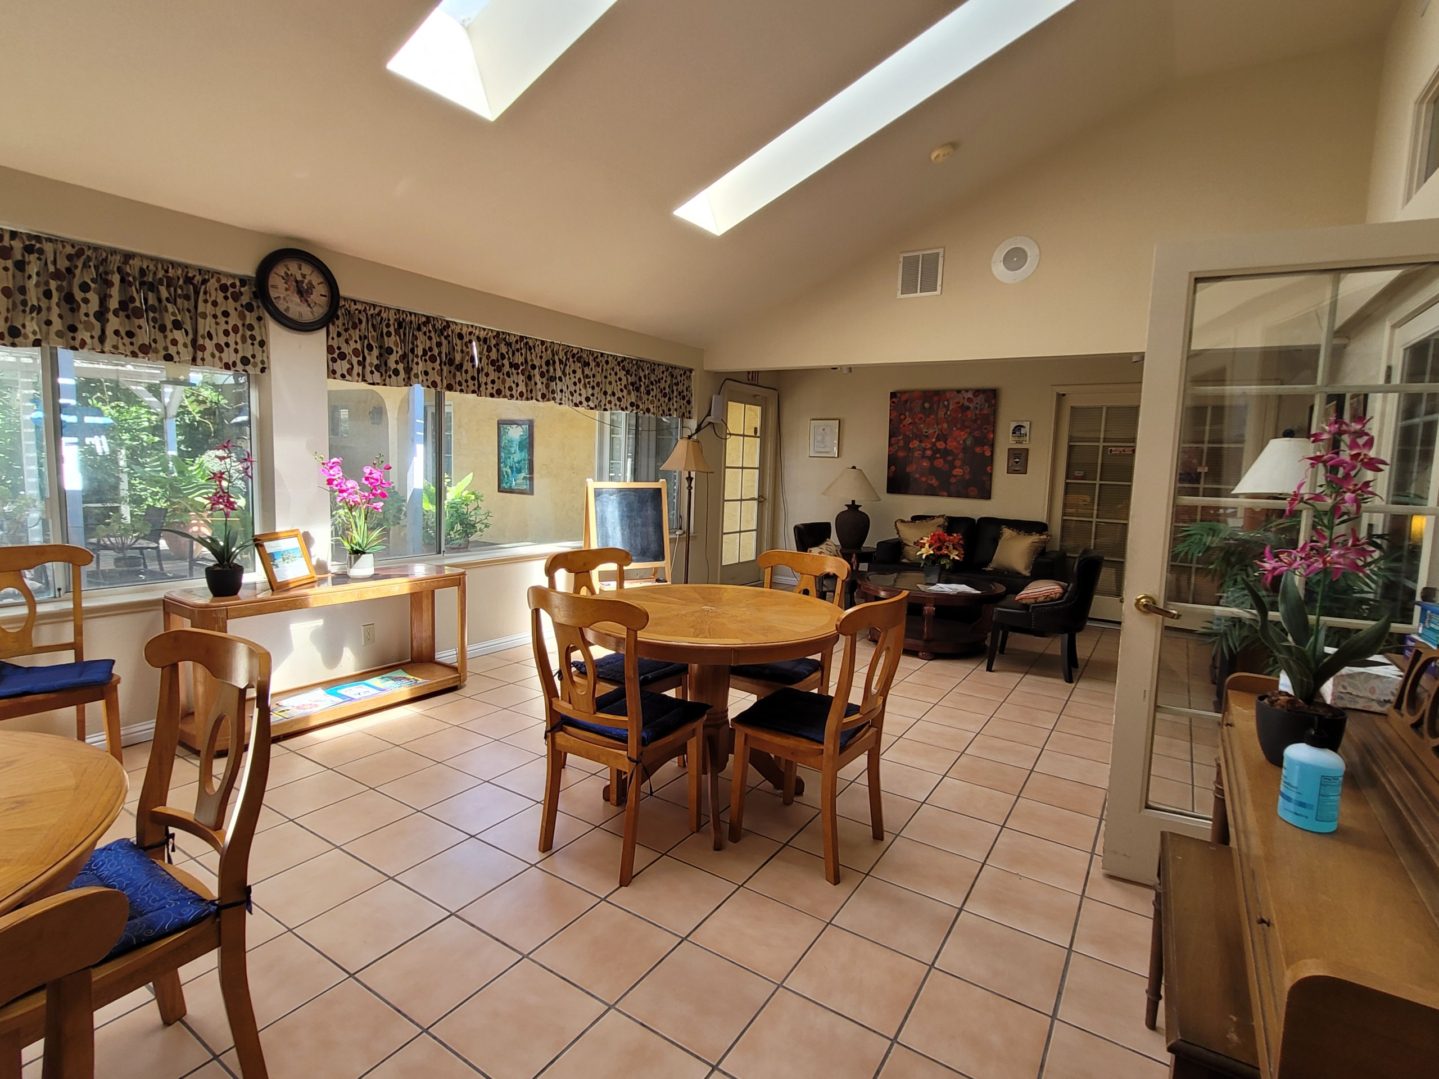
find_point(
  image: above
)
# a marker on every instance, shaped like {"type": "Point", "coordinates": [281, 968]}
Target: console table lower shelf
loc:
{"type": "Point", "coordinates": [195, 607]}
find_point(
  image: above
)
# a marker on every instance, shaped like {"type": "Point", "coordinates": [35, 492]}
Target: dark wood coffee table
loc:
{"type": "Point", "coordinates": [938, 623]}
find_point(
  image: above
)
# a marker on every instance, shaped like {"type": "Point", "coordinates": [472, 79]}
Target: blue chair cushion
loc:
{"type": "Point", "coordinates": [661, 715]}
{"type": "Point", "coordinates": [611, 668]}
{"type": "Point", "coordinates": [159, 904]}
{"type": "Point", "coordinates": [18, 681]}
{"type": "Point", "coordinates": [784, 672]}
{"type": "Point", "coordinates": [793, 711]}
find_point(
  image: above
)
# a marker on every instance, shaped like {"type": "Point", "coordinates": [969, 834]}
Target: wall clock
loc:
{"type": "Point", "coordinates": [297, 290]}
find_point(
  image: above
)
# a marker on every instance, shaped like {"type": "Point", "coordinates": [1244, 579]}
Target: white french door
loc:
{"type": "Point", "coordinates": [746, 479]}
{"type": "Point", "coordinates": [1250, 339]}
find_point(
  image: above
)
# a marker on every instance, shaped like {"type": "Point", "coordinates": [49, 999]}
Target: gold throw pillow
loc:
{"type": "Point", "coordinates": [1017, 551]}
{"type": "Point", "coordinates": [911, 532]}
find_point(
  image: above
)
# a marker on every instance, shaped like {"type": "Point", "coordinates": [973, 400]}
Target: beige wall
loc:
{"type": "Point", "coordinates": [1411, 59]}
{"type": "Point", "coordinates": [1284, 146]}
{"type": "Point", "coordinates": [1028, 390]}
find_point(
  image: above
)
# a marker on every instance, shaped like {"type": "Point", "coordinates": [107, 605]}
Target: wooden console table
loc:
{"type": "Point", "coordinates": [196, 607]}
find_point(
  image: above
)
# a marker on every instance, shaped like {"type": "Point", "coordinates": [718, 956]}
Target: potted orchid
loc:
{"type": "Point", "coordinates": [229, 469]}
{"type": "Point", "coordinates": [1336, 486]}
{"type": "Point", "coordinates": [939, 551]}
{"type": "Point", "coordinates": [358, 506]}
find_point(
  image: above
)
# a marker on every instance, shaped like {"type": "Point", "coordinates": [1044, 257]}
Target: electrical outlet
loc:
{"type": "Point", "coordinates": [367, 633]}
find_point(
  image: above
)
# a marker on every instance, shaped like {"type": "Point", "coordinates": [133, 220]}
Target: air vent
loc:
{"type": "Point", "coordinates": [921, 273]}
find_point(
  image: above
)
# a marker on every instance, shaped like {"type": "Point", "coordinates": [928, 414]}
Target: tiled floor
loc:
{"type": "Point", "coordinates": [1186, 730]}
{"type": "Point", "coordinates": [406, 926]}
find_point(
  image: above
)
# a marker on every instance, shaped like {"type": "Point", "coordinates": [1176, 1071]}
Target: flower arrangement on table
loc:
{"type": "Point", "coordinates": [358, 507]}
{"type": "Point", "coordinates": [230, 468]}
{"type": "Point", "coordinates": [1336, 487]}
{"type": "Point", "coordinates": [942, 549]}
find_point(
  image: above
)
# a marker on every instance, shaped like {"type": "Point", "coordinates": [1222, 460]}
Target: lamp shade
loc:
{"type": "Point", "coordinates": [687, 456]}
{"type": "Point", "coordinates": [852, 485]}
{"type": "Point", "coordinates": [1278, 469]}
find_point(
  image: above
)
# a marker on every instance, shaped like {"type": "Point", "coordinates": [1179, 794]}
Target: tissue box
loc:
{"type": "Point", "coordinates": [1365, 689]}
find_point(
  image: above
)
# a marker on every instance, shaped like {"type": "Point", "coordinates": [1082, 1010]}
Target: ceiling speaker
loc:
{"type": "Point", "coordinates": [1015, 259]}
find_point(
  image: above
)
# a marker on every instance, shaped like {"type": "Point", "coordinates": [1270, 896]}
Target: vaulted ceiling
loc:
{"type": "Point", "coordinates": [280, 116]}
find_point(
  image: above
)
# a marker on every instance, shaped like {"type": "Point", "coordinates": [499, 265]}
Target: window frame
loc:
{"type": "Point", "coordinates": [1423, 138]}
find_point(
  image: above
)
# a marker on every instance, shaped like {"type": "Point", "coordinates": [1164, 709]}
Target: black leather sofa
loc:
{"type": "Point", "coordinates": [981, 538]}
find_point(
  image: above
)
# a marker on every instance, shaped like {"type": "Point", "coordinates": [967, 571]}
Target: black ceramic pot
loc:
{"type": "Point", "coordinates": [224, 580]}
{"type": "Point", "coordinates": [1280, 728]}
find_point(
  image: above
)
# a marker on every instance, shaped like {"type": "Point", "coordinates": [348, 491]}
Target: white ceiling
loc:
{"type": "Point", "coordinates": [280, 116]}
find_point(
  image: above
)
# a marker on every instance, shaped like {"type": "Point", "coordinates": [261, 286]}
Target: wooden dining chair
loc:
{"type": "Point", "coordinates": [630, 730]}
{"type": "Point", "coordinates": [173, 917]}
{"type": "Point", "coordinates": [826, 732]}
{"type": "Point", "coordinates": [762, 679]}
{"type": "Point", "coordinates": [31, 689]}
{"type": "Point", "coordinates": [50, 945]}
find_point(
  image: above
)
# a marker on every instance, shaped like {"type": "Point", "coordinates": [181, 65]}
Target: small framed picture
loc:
{"type": "Point", "coordinates": [1019, 433]}
{"type": "Point", "coordinates": [285, 558]}
{"type": "Point", "coordinates": [1016, 462]}
{"type": "Point", "coordinates": [824, 438]}
{"type": "Point", "coordinates": [516, 457]}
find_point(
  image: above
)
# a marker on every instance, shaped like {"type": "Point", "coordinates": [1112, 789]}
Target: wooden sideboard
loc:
{"type": "Point", "coordinates": [420, 582]}
{"type": "Point", "coordinates": [1340, 932]}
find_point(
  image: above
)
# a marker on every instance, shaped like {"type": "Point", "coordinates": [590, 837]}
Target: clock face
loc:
{"type": "Point", "coordinates": [298, 289]}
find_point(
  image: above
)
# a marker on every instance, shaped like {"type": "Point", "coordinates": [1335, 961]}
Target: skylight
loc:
{"type": "Point", "coordinates": [955, 45]}
{"type": "Point", "coordinates": [483, 54]}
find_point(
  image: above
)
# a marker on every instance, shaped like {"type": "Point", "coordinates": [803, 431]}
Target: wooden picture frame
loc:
{"type": "Point", "coordinates": [627, 515]}
{"type": "Point", "coordinates": [515, 457]}
{"type": "Point", "coordinates": [824, 438]}
{"type": "Point", "coordinates": [285, 558]}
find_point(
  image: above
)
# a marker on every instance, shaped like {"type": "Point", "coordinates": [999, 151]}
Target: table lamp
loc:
{"type": "Point", "coordinates": [1279, 468]}
{"type": "Point", "coordinates": [851, 524]}
{"type": "Point", "coordinates": [687, 457]}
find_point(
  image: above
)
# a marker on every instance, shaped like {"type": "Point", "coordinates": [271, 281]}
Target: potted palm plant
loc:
{"type": "Point", "coordinates": [225, 543]}
{"type": "Point", "coordinates": [1336, 487]}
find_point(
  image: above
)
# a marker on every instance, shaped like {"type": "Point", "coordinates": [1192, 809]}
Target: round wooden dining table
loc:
{"type": "Point", "coordinates": [57, 798]}
{"type": "Point", "coordinates": [713, 627]}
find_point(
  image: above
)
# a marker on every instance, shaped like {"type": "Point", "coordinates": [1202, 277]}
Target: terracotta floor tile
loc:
{"type": "Point", "coordinates": [765, 814]}
{"type": "Point", "coordinates": [1065, 793]}
{"type": "Point", "coordinates": [409, 841]}
{"type": "Point", "coordinates": [953, 832]}
{"type": "Point", "coordinates": [971, 799]}
{"type": "Point", "coordinates": [479, 807]}
{"type": "Point", "coordinates": [1025, 904]}
{"type": "Point", "coordinates": [499, 724]}
{"type": "Point", "coordinates": [527, 909]}
{"type": "Point", "coordinates": [312, 887]}
{"type": "Point", "coordinates": [673, 894]}
{"type": "Point", "coordinates": [737, 862]}
{"type": "Point", "coordinates": [279, 848]}
{"type": "Point", "coordinates": [988, 773]}
{"type": "Point", "coordinates": [362, 929]}
{"type": "Point", "coordinates": [976, 1031]}
{"type": "Point", "coordinates": [1113, 935]}
{"type": "Point", "coordinates": [462, 873]}
{"type": "Point", "coordinates": [284, 768]}
{"type": "Point", "coordinates": [593, 861]}
{"type": "Point", "coordinates": [1014, 754]}
{"type": "Point", "coordinates": [698, 1000]}
{"type": "Point", "coordinates": [539, 1014]}
{"type": "Point", "coordinates": [1107, 1001]}
{"type": "Point", "coordinates": [491, 760]}
{"type": "Point", "coordinates": [897, 918]}
{"type": "Point", "coordinates": [853, 803]}
{"type": "Point", "coordinates": [403, 725]}
{"type": "Point", "coordinates": [353, 817]}
{"type": "Point", "coordinates": [138, 1046]}
{"type": "Point", "coordinates": [907, 781]}
{"type": "Point", "coordinates": [1124, 894]}
{"type": "Point", "coordinates": [939, 734]}
{"type": "Point", "coordinates": [858, 978]}
{"type": "Point", "coordinates": [1040, 859]}
{"type": "Point", "coordinates": [797, 878]}
{"type": "Point", "coordinates": [1054, 763]}
{"type": "Point", "coordinates": [1005, 961]}
{"type": "Point", "coordinates": [1027, 734]}
{"type": "Point", "coordinates": [585, 800]}
{"type": "Point", "coordinates": [311, 793]}
{"type": "Point", "coordinates": [662, 823]}
{"type": "Point", "coordinates": [338, 745]}
{"type": "Point", "coordinates": [1050, 822]}
{"type": "Point", "coordinates": [904, 1063]}
{"type": "Point", "coordinates": [794, 1036]}
{"type": "Point", "coordinates": [606, 950]}
{"type": "Point", "coordinates": [1077, 1054]}
{"type": "Point", "coordinates": [927, 870]}
{"type": "Point", "coordinates": [759, 933]}
{"type": "Point", "coordinates": [424, 788]}
{"type": "Point", "coordinates": [1086, 748]}
{"type": "Point", "coordinates": [387, 764]}
{"type": "Point", "coordinates": [461, 710]}
{"type": "Point", "coordinates": [423, 1057]}
{"type": "Point", "coordinates": [346, 1031]}
{"type": "Point", "coordinates": [858, 848]}
{"type": "Point", "coordinates": [520, 835]}
{"type": "Point", "coordinates": [408, 976]}
{"type": "Point", "coordinates": [447, 742]}
{"type": "Point", "coordinates": [920, 754]}
{"type": "Point", "coordinates": [619, 1048]}
{"type": "Point", "coordinates": [952, 714]}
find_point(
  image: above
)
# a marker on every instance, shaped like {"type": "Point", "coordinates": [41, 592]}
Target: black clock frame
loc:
{"type": "Point", "coordinates": [262, 289]}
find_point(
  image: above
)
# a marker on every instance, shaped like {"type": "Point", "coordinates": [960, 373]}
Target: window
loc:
{"type": "Point", "coordinates": [511, 473]}
{"type": "Point", "coordinates": [1426, 140]}
{"type": "Point", "coordinates": [109, 454]}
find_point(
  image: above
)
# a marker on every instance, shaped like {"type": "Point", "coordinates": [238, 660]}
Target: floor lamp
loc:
{"type": "Point", "coordinates": [689, 458]}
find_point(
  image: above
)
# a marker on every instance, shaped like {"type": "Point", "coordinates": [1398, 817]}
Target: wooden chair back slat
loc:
{"type": "Point", "coordinates": [809, 568]}
{"type": "Point", "coordinates": [887, 617]}
{"type": "Point", "coordinates": [584, 567]}
{"type": "Point", "coordinates": [19, 640]}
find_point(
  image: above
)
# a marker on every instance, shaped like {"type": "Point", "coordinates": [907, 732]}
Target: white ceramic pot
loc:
{"type": "Point", "coordinates": [362, 565]}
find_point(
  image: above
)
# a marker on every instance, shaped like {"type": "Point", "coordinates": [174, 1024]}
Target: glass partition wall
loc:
{"type": "Point", "coordinates": [1269, 357]}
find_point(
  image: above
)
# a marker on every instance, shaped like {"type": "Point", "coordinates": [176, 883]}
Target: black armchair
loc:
{"type": "Point", "coordinates": [809, 534]}
{"type": "Point", "coordinates": [1067, 615]}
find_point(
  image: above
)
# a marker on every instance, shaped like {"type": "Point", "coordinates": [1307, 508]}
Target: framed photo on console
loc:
{"type": "Point", "coordinates": [285, 559]}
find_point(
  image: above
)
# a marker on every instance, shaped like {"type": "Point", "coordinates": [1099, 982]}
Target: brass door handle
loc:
{"type": "Point", "coordinates": [1149, 605]}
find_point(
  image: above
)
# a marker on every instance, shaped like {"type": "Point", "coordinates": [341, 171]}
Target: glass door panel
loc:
{"type": "Point", "coordinates": [747, 455]}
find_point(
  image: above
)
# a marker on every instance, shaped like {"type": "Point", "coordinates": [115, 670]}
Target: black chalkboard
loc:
{"type": "Point", "coordinates": [632, 516]}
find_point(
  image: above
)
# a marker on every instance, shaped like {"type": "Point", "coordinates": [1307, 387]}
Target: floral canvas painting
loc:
{"type": "Point", "coordinates": [941, 442]}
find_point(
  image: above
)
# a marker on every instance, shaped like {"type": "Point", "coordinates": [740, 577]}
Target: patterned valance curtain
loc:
{"type": "Point", "coordinates": [80, 296]}
{"type": "Point", "coordinates": [387, 346]}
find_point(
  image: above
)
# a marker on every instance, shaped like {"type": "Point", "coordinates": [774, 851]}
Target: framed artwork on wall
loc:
{"type": "Point", "coordinates": [516, 456]}
{"type": "Point", "coordinates": [1016, 462]}
{"type": "Point", "coordinates": [285, 559]}
{"type": "Point", "coordinates": [1019, 433]}
{"type": "Point", "coordinates": [941, 442]}
{"type": "Point", "coordinates": [824, 438]}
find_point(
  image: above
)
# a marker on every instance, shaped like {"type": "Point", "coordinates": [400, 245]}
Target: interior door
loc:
{"type": "Point", "coordinates": [747, 480]}
{"type": "Point", "coordinates": [1251, 339]}
{"type": "Point", "coordinates": [1093, 488]}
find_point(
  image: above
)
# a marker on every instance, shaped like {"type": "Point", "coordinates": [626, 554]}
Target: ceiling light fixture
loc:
{"type": "Point", "coordinates": [952, 47]}
{"type": "Point", "coordinates": [483, 54]}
